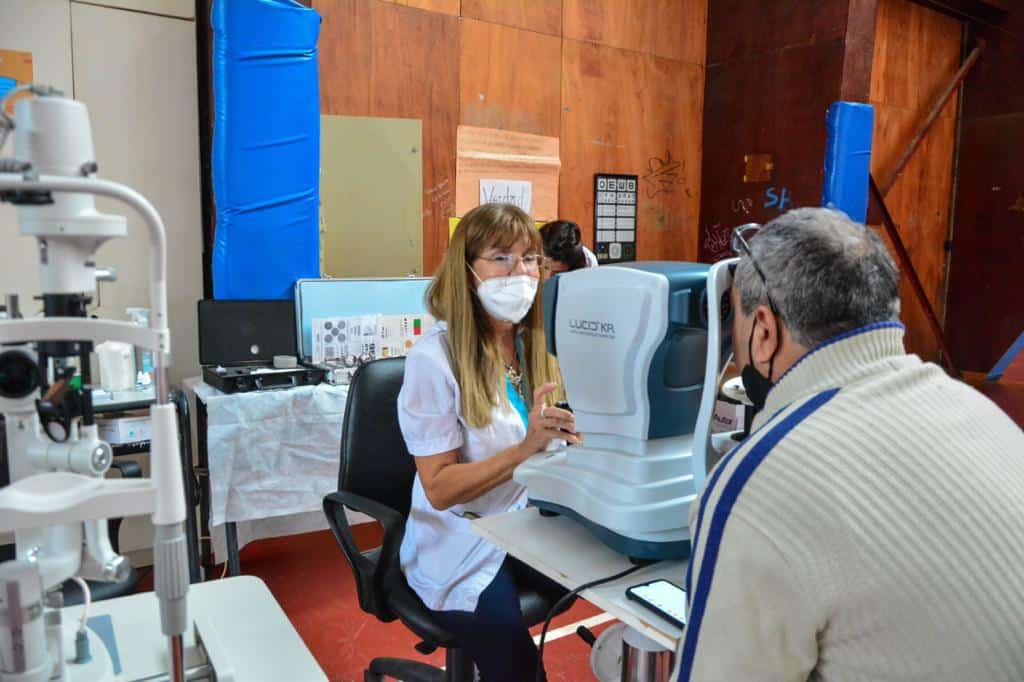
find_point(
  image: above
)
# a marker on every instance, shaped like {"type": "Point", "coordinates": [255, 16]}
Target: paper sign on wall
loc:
{"type": "Point", "coordinates": [517, 192]}
{"type": "Point", "coordinates": [486, 155]}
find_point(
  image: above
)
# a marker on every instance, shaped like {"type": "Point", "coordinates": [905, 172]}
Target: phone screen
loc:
{"type": "Point", "coordinates": [663, 597]}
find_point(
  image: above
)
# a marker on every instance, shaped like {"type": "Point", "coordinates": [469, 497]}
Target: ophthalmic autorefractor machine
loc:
{"type": "Point", "coordinates": [640, 348]}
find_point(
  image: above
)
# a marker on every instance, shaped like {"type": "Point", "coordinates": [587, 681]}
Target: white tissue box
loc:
{"type": "Point", "coordinates": [121, 430]}
{"type": "Point", "coordinates": [728, 416]}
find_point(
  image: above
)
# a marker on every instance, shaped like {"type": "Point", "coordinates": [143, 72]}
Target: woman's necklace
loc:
{"type": "Point", "coordinates": [515, 377]}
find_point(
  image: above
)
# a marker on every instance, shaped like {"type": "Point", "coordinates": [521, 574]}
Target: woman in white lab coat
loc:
{"type": "Point", "coordinates": [475, 403]}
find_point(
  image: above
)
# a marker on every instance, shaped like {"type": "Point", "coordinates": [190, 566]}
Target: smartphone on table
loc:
{"type": "Point", "coordinates": [665, 598]}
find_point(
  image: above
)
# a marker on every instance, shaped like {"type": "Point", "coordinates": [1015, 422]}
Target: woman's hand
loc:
{"type": "Point", "coordinates": [548, 423]}
{"type": "Point", "coordinates": [447, 482]}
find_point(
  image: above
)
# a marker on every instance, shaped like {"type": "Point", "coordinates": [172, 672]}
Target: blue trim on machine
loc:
{"type": "Point", "coordinates": [103, 626]}
{"type": "Point", "coordinates": [550, 301]}
{"type": "Point", "coordinates": [730, 494]}
{"type": "Point", "coordinates": [673, 410]}
{"type": "Point", "coordinates": [635, 549]}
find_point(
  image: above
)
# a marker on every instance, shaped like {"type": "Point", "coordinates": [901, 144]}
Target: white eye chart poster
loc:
{"type": "Point", "coordinates": [372, 336]}
{"type": "Point", "coordinates": [615, 217]}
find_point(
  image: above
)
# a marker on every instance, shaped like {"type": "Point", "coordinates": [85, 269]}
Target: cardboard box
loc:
{"type": "Point", "coordinates": [121, 430]}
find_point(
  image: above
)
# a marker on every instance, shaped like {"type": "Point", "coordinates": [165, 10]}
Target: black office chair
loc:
{"type": "Point", "coordinates": [375, 478]}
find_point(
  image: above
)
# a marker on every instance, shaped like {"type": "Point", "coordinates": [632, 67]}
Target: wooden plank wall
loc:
{"type": "Point", "coordinates": [620, 82]}
{"type": "Point", "coordinates": [916, 53]}
{"type": "Point", "coordinates": [985, 310]}
{"type": "Point", "coordinates": [773, 70]}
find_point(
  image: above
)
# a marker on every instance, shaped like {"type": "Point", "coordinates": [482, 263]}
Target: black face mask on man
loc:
{"type": "Point", "coordinates": [756, 384]}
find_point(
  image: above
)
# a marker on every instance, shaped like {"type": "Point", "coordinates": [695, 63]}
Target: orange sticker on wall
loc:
{"type": "Point", "coordinates": [15, 70]}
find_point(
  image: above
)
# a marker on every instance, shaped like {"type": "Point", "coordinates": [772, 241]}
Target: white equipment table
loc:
{"type": "Point", "coordinates": [265, 459]}
{"type": "Point", "coordinates": [251, 631]}
{"type": "Point", "coordinates": [566, 552]}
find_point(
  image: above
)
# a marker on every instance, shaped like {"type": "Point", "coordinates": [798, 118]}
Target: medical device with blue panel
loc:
{"type": "Point", "coordinates": [640, 348]}
{"type": "Point", "coordinates": [342, 324]}
{"type": "Point", "coordinates": [335, 298]}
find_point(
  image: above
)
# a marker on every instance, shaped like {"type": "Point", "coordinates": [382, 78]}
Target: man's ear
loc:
{"type": "Point", "coordinates": [767, 336]}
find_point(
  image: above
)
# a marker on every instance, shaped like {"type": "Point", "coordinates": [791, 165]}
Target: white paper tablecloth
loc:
{"type": "Point", "coordinates": [273, 456]}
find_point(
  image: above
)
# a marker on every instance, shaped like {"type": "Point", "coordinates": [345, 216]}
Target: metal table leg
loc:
{"type": "Point", "coordinates": [203, 471]}
{"type": "Point", "coordinates": [188, 472]}
{"type": "Point", "coordinates": [234, 561]}
{"type": "Point", "coordinates": [205, 503]}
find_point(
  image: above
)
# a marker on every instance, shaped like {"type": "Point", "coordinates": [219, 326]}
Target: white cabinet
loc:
{"type": "Point", "coordinates": [136, 71]}
{"type": "Point", "coordinates": [182, 9]}
{"type": "Point", "coordinates": [137, 74]}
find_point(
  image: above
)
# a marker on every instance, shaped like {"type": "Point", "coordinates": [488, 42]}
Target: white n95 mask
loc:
{"type": "Point", "coordinates": [507, 298]}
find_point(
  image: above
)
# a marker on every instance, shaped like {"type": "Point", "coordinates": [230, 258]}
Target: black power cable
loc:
{"type": "Point", "coordinates": [564, 600]}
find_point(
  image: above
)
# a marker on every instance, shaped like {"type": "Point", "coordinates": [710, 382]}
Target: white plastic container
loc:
{"type": "Point", "coordinates": [143, 358]}
{"type": "Point", "coordinates": [117, 366]}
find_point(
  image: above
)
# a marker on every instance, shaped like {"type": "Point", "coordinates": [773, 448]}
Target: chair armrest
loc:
{"type": "Point", "coordinates": [374, 575]}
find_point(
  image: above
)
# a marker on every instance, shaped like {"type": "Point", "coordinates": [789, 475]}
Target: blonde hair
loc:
{"type": "Point", "coordinates": [476, 360]}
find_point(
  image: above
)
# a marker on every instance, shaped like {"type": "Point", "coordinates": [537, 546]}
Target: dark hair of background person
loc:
{"type": "Point", "coordinates": [562, 243]}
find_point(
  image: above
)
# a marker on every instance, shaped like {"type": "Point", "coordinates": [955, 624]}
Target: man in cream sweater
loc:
{"type": "Point", "coordinates": [871, 527]}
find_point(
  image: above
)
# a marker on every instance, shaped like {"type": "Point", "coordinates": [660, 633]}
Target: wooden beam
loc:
{"type": "Point", "coordinates": [936, 109]}
{"type": "Point", "coordinates": [907, 268]}
{"type": "Point", "coordinates": [858, 55]}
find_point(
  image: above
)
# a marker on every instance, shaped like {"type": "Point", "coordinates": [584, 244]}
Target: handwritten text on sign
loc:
{"type": "Point", "coordinates": [518, 192]}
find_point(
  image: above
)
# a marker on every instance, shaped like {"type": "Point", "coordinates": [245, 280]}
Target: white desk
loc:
{"type": "Point", "coordinates": [267, 459]}
{"type": "Point", "coordinates": [250, 625]}
{"type": "Point", "coordinates": [103, 401]}
{"type": "Point", "coordinates": [566, 552]}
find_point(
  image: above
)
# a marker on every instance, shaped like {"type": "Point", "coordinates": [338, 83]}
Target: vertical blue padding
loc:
{"type": "Point", "coordinates": [6, 85]}
{"type": "Point", "coordinates": [848, 158]}
{"type": "Point", "coordinates": [266, 147]}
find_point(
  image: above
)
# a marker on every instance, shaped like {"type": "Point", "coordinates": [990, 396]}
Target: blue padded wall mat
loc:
{"type": "Point", "coordinates": [266, 147]}
{"type": "Point", "coordinates": [848, 158]}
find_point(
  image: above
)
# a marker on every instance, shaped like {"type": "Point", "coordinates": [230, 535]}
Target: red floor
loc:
{"type": "Point", "coordinates": [310, 578]}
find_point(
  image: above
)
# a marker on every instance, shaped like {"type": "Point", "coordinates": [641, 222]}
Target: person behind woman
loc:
{"type": "Point", "coordinates": [564, 249]}
{"type": "Point", "coordinates": [472, 408]}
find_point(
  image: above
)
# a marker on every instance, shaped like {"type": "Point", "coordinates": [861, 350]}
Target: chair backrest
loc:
{"type": "Point", "coordinates": [374, 460]}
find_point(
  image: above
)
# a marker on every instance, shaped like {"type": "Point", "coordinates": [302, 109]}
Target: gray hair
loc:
{"type": "Point", "coordinates": [826, 274]}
